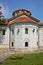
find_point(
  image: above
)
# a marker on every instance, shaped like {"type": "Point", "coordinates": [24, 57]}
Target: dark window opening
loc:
{"type": "Point", "coordinates": [33, 30]}
{"type": "Point", "coordinates": [26, 44]}
{"type": "Point", "coordinates": [3, 32]}
{"type": "Point", "coordinates": [26, 30]}
{"type": "Point", "coordinates": [18, 31]}
{"type": "Point", "coordinates": [12, 44]}
{"type": "Point", "coordinates": [12, 31]}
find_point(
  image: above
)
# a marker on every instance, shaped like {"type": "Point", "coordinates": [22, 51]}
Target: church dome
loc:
{"type": "Point", "coordinates": [23, 16]}
{"type": "Point", "coordinates": [20, 12]}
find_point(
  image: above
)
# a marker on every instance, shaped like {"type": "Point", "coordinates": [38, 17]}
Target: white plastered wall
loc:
{"type": "Point", "coordinates": [20, 38]}
{"type": "Point", "coordinates": [4, 39]}
{"type": "Point", "coordinates": [41, 36]}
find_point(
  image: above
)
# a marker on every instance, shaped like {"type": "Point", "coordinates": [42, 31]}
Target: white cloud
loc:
{"type": "Point", "coordinates": [5, 10]}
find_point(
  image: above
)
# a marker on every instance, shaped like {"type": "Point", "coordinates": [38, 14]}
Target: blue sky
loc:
{"type": "Point", "coordinates": [35, 6]}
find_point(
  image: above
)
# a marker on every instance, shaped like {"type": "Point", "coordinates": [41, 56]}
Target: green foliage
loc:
{"type": "Point", "coordinates": [17, 56]}
{"type": "Point", "coordinates": [29, 59]}
{"type": "Point", "coordinates": [2, 21]}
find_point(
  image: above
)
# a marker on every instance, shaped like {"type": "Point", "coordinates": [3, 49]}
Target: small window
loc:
{"type": "Point", "coordinates": [18, 31]}
{"type": "Point", "coordinates": [26, 44]}
{"type": "Point", "coordinates": [26, 30]}
{"type": "Point", "coordinates": [12, 44]}
{"type": "Point", "coordinates": [3, 32]}
{"type": "Point", "coordinates": [12, 31]}
{"type": "Point", "coordinates": [33, 30]}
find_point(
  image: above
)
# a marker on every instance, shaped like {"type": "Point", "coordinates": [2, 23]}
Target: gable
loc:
{"type": "Point", "coordinates": [23, 19]}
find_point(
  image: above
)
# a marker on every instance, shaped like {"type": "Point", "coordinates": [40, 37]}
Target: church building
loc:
{"type": "Point", "coordinates": [22, 33]}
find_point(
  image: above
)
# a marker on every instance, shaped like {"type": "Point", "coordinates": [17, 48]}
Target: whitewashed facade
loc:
{"type": "Point", "coordinates": [4, 39]}
{"type": "Point", "coordinates": [22, 35]}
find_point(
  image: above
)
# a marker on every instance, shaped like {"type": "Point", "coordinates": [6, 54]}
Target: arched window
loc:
{"type": "Point", "coordinates": [26, 30]}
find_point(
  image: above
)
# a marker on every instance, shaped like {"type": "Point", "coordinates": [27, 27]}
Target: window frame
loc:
{"type": "Point", "coordinates": [26, 44]}
{"type": "Point", "coordinates": [12, 44]}
{"type": "Point", "coordinates": [3, 32]}
{"type": "Point", "coordinates": [33, 30]}
{"type": "Point", "coordinates": [26, 30]}
{"type": "Point", "coordinates": [12, 31]}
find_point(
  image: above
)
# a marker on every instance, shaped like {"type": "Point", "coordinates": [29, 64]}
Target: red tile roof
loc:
{"type": "Point", "coordinates": [23, 19]}
{"type": "Point", "coordinates": [5, 23]}
{"type": "Point", "coordinates": [41, 24]}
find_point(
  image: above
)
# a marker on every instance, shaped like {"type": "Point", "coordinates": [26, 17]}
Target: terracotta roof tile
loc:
{"type": "Point", "coordinates": [5, 23]}
{"type": "Point", "coordinates": [23, 19]}
{"type": "Point", "coordinates": [41, 24]}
